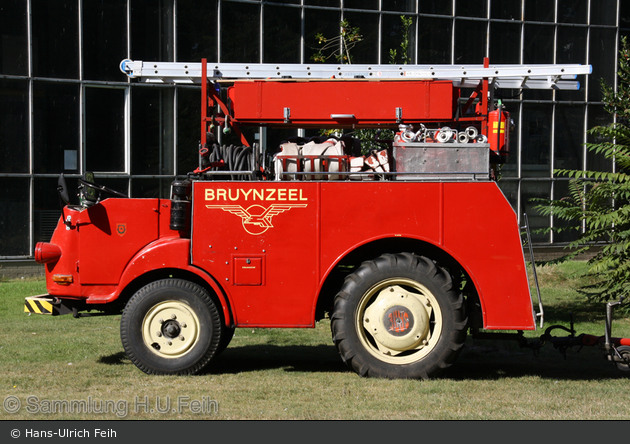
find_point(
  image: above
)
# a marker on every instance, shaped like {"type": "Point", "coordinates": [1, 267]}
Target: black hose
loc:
{"type": "Point", "coordinates": [235, 158]}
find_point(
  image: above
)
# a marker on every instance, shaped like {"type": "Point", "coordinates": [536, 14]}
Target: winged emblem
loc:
{"type": "Point", "coordinates": [256, 219]}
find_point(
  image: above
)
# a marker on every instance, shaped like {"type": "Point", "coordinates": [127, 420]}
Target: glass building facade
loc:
{"type": "Point", "coordinates": [65, 107]}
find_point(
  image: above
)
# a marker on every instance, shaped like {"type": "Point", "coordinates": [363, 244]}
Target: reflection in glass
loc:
{"type": "Point", "coordinates": [56, 126]}
{"type": "Point", "coordinates": [152, 131]}
{"type": "Point", "coordinates": [14, 217]}
{"type": "Point", "coordinates": [104, 39]}
{"type": "Point", "coordinates": [240, 33]}
{"type": "Point", "coordinates": [104, 129]}
{"type": "Point", "coordinates": [13, 39]}
{"type": "Point", "coordinates": [282, 34]}
{"type": "Point", "coordinates": [14, 143]}
{"type": "Point", "coordinates": [55, 25]}
{"type": "Point", "coordinates": [569, 137]}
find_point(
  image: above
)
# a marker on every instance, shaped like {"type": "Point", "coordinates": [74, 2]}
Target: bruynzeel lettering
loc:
{"type": "Point", "coordinates": [251, 195]}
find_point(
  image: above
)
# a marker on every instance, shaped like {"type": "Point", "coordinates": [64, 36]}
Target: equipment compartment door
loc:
{"type": "Point", "coordinates": [260, 241]}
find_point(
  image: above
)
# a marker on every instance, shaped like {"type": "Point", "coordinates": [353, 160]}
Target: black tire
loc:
{"type": "Point", "coordinates": [171, 326]}
{"type": "Point", "coordinates": [418, 321]}
{"type": "Point", "coordinates": [226, 337]}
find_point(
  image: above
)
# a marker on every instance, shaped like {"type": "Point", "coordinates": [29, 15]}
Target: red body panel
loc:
{"type": "Point", "coordinates": [326, 102]}
{"type": "Point", "coordinates": [272, 244]}
{"type": "Point", "coordinates": [100, 242]}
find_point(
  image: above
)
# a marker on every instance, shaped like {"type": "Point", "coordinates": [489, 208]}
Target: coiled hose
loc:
{"type": "Point", "coordinates": [235, 158]}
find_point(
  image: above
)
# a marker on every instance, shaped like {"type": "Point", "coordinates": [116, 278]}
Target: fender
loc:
{"type": "Point", "coordinates": [166, 252]}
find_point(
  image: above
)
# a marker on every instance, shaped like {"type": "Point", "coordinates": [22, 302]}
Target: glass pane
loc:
{"type": "Point", "coordinates": [105, 129]}
{"type": "Point", "coordinates": [196, 30]}
{"type": "Point", "coordinates": [282, 29]}
{"type": "Point", "coordinates": [569, 137]}
{"type": "Point", "coordinates": [14, 143]}
{"type": "Point", "coordinates": [470, 41]}
{"type": "Point", "coordinates": [536, 139]}
{"type": "Point", "coordinates": [360, 4]}
{"type": "Point", "coordinates": [152, 131]}
{"type": "Point", "coordinates": [56, 127]}
{"type": "Point", "coordinates": [471, 8]}
{"type": "Point", "coordinates": [319, 21]}
{"type": "Point", "coordinates": [539, 10]}
{"type": "Point", "coordinates": [505, 43]}
{"type": "Point", "coordinates": [333, 3]}
{"type": "Point", "coordinates": [538, 48]}
{"type": "Point", "coordinates": [435, 7]}
{"type": "Point", "coordinates": [365, 51]}
{"type": "Point", "coordinates": [14, 217]}
{"type": "Point", "coordinates": [151, 188]}
{"type": "Point", "coordinates": [13, 46]}
{"type": "Point", "coordinates": [510, 168]}
{"type": "Point", "coordinates": [572, 49]}
{"type": "Point", "coordinates": [392, 38]}
{"type": "Point", "coordinates": [434, 40]}
{"type": "Point", "coordinates": [506, 9]}
{"type": "Point", "coordinates": [537, 190]}
{"type": "Point", "coordinates": [572, 11]}
{"type": "Point", "coordinates": [399, 5]}
{"type": "Point", "coordinates": [538, 44]}
{"type": "Point", "coordinates": [152, 30]}
{"type": "Point", "coordinates": [604, 12]}
{"type": "Point", "coordinates": [104, 39]}
{"type": "Point", "coordinates": [597, 116]}
{"type": "Point", "coordinates": [188, 130]}
{"type": "Point", "coordinates": [602, 58]}
{"type": "Point", "coordinates": [240, 33]}
{"type": "Point", "coordinates": [46, 207]}
{"type": "Point", "coordinates": [56, 38]}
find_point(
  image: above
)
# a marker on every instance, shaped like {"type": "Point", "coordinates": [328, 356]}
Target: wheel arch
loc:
{"type": "Point", "coordinates": [206, 282]}
{"type": "Point", "coordinates": [165, 258]}
{"type": "Point", "coordinates": [375, 248]}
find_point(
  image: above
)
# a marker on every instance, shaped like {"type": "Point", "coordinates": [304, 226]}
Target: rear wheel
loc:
{"type": "Point", "coordinates": [398, 316]}
{"type": "Point", "coordinates": [171, 326]}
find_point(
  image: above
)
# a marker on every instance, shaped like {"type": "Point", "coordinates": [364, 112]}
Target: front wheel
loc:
{"type": "Point", "coordinates": [171, 326]}
{"type": "Point", "coordinates": [398, 316]}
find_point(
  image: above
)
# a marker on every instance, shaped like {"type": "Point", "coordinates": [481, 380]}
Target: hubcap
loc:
{"type": "Point", "coordinates": [399, 321]}
{"type": "Point", "coordinates": [170, 329]}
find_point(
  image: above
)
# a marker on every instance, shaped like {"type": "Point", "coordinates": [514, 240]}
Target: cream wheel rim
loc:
{"type": "Point", "coordinates": [170, 329]}
{"type": "Point", "coordinates": [399, 321]}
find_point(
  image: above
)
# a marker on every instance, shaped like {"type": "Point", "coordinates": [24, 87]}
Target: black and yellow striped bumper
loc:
{"type": "Point", "coordinates": [45, 304]}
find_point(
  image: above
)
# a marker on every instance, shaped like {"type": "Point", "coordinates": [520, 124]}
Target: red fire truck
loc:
{"type": "Point", "coordinates": [407, 248]}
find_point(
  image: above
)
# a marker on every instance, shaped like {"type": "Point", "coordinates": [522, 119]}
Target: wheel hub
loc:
{"type": "Point", "coordinates": [170, 329]}
{"type": "Point", "coordinates": [398, 320]}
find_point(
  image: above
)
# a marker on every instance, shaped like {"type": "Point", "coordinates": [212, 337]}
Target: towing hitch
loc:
{"type": "Point", "coordinates": [616, 350]}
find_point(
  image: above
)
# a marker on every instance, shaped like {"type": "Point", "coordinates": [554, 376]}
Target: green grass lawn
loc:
{"type": "Point", "coordinates": [297, 373]}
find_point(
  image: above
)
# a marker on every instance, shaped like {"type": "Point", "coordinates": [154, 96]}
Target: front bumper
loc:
{"type": "Point", "coordinates": [46, 305]}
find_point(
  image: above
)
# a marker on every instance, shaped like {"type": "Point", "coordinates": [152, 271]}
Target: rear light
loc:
{"type": "Point", "coordinates": [62, 279]}
{"type": "Point", "coordinates": [45, 253]}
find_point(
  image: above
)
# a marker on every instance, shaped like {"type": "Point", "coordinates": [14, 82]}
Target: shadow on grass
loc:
{"type": "Point", "coordinates": [479, 360]}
